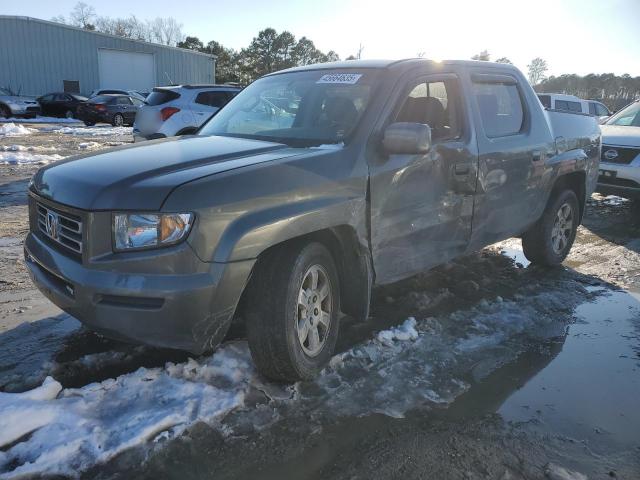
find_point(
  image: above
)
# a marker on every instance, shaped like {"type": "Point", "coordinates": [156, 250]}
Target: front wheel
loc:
{"type": "Point", "coordinates": [548, 242]}
{"type": "Point", "coordinates": [292, 312]}
{"type": "Point", "coordinates": [69, 114]}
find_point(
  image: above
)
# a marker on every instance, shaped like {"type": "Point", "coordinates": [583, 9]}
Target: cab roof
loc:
{"type": "Point", "coordinates": [385, 64]}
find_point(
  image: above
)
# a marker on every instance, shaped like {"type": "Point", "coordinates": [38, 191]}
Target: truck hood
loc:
{"type": "Point", "coordinates": [140, 176]}
{"type": "Point", "coordinates": [620, 136]}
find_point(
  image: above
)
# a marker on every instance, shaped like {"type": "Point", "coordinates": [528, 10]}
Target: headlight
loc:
{"type": "Point", "coordinates": [135, 231]}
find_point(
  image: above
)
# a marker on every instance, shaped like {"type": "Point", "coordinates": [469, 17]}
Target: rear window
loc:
{"type": "Point", "coordinates": [216, 99]}
{"type": "Point", "coordinates": [500, 108]}
{"type": "Point", "coordinates": [159, 96]}
{"type": "Point", "coordinates": [545, 100]}
{"type": "Point", "coordinates": [102, 99]}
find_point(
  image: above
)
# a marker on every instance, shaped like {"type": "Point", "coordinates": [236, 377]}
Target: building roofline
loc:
{"type": "Point", "coordinates": [95, 32]}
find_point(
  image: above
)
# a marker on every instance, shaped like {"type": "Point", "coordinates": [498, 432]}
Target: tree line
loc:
{"type": "Point", "coordinates": [615, 91]}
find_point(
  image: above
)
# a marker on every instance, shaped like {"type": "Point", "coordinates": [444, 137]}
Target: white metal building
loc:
{"type": "Point", "coordinates": [38, 56]}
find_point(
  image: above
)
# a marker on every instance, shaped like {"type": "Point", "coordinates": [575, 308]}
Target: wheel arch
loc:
{"type": "Point", "coordinates": [352, 259]}
{"type": "Point", "coordinates": [575, 181]}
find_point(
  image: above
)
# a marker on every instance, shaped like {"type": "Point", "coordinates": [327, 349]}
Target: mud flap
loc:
{"type": "Point", "coordinates": [356, 287]}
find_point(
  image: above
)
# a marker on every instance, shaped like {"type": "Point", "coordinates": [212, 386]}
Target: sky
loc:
{"type": "Point", "coordinates": [573, 36]}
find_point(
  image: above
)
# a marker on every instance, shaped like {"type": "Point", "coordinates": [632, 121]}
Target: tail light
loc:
{"type": "Point", "coordinates": [166, 113]}
{"type": "Point", "coordinates": [100, 107]}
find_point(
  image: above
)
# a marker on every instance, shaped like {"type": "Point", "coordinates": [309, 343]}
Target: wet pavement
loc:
{"type": "Point", "coordinates": [513, 372]}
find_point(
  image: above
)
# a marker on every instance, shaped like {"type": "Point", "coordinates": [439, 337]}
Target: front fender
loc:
{"type": "Point", "coordinates": [251, 234]}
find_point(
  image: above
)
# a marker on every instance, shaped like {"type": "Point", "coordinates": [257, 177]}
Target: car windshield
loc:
{"type": "Point", "coordinates": [629, 116]}
{"type": "Point", "coordinates": [299, 108]}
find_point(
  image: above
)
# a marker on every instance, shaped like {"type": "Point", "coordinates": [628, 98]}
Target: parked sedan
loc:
{"type": "Point", "coordinates": [60, 104]}
{"type": "Point", "coordinates": [17, 106]}
{"type": "Point", "coordinates": [118, 110]}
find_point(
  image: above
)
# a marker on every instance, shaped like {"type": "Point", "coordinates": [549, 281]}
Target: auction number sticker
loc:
{"type": "Point", "coordinates": [344, 78]}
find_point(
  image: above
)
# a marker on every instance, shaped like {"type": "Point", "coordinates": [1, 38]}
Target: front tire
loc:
{"type": "Point", "coordinates": [549, 241]}
{"type": "Point", "coordinates": [69, 114]}
{"type": "Point", "coordinates": [292, 312]}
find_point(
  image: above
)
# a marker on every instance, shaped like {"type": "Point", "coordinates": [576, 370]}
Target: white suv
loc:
{"type": "Point", "coordinates": [179, 110]}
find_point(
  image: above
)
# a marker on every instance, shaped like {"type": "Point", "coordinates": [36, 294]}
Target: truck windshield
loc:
{"type": "Point", "coordinates": [299, 108]}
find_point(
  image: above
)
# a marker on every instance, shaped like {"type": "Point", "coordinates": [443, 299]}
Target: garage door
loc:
{"type": "Point", "coordinates": [126, 70]}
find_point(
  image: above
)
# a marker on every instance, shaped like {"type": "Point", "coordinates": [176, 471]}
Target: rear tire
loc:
{"type": "Point", "coordinates": [118, 120]}
{"type": "Point", "coordinates": [69, 114]}
{"type": "Point", "coordinates": [292, 312]}
{"type": "Point", "coordinates": [549, 241]}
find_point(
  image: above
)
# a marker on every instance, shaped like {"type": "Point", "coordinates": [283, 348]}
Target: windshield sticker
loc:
{"type": "Point", "coordinates": [348, 78]}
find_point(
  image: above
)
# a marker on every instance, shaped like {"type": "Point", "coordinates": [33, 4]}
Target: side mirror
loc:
{"type": "Point", "coordinates": [407, 138]}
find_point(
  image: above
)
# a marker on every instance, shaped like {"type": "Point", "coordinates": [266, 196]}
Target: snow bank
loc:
{"type": "Point", "coordinates": [41, 120]}
{"type": "Point", "coordinates": [13, 130]}
{"type": "Point", "coordinates": [76, 428]}
{"type": "Point", "coordinates": [97, 131]}
{"type": "Point", "coordinates": [22, 157]}
{"type": "Point", "coordinates": [418, 363]}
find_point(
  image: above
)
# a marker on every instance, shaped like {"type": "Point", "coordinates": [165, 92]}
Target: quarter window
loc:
{"type": "Point", "coordinates": [435, 104]}
{"type": "Point", "coordinates": [500, 108]}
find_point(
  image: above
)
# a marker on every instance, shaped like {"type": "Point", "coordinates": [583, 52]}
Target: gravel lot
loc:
{"type": "Point", "coordinates": [504, 370]}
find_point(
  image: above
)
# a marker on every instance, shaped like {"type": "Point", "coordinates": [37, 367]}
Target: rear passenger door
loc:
{"type": "Point", "coordinates": [124, 106]}
{"type": "Point", "coordinates": [513, 143]}
{"type": "Point", "coordinates": [207, 103]}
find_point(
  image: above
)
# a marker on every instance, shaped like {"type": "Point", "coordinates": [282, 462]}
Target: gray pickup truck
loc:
{"type": "Point", "coordinates": [310, 187]}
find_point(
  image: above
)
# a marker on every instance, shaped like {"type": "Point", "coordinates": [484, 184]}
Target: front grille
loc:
{"type": "Point", "coordinates": [619, 155]}
{"type": "Point", "coordinates": [62, 228]}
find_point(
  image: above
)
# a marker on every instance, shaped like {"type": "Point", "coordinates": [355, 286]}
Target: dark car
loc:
{"type": "Point", "coordinates": [118, 110]}
{"type": "Point", "coordinates": [60, 104]}
{"type": "Point", "coordinates": [284, 217]}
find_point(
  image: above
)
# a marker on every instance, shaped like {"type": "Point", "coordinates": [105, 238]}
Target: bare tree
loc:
{"type": "Point", "coordinates": [537, 69]}
{"type": "Point", "coordinates": [504, 60]}
{"type": "Point", "coordinates": [59, 19]}
{"type": "Point", "coordinates": [166, 31]}
{"type": "Point", "coordinates": [83, 16]}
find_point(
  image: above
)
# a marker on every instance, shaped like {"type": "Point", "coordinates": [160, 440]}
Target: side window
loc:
{"type": "Point", "coordinates": [435, 104]}
{"type": "Point", "coordinates": [213, 99]}
{"type": "Point", "coordinates": [562, 105]}
{"type": "Point", "coordinates": [601, 110]}
{"type": "Point", "coordinates": [123, 101]}
{"type": "Point", "coordinates": [136, 101]}
{"type": "Point", "coordinates": [59, 97]}
{"type": "Point", "coordinates": [47, 98]}
{"type": "Point", "coordinates": [574, 106]}
{"type": "Point", "coordinates": [500, 108]}
{"type": "Point", "coordinates": [545, 100]}
{"type": "Point", "coordinates": [592, 109]}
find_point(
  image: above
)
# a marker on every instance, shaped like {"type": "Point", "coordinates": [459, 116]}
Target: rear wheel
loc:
{"type": "Point", "coordinates": [292, 312]}
{"type": "Point", "coordinates": [118, 120]}
{"type": "Point", "coordinates": [69, 114]}
{"type": "Point", "coordinates": [548, 242]}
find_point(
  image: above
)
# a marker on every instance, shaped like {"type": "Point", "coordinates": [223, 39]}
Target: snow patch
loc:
{"type": "Point", "coordinates": [79, 427]}
{"type": "Point", "coordinates": [406, 331]}
{"type": "Point", "coordinates": [613, 200]}
{"type": "Point", "coordinates": [89, 145]}
{"type": "Point", "coordinates": [97, 131]}
{"type": "Point", "coordinates": [41, 120]}
{"type": "Point", "coordinates": [13, 130]}
{"type": "Point", "coordinates": [20, 157]}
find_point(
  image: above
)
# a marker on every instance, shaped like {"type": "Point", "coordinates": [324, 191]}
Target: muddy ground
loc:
{"type": "Point", "coordinates": [518, 372]}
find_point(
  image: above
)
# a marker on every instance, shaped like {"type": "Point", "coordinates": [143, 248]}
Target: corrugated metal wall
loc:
{"type": "Point", "coordinates": [37, 55]}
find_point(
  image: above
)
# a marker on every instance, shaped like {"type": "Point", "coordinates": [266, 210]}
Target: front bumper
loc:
{"type": "Point", "coordinates": [185, 311]}
{"type": "Point", "coordinates": [625, 183]}
{"type": "Point", "coordinates": [24, 111]}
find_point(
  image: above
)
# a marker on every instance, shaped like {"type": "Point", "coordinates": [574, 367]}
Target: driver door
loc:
{"type": "Point", "coordinates": [422, 204]}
